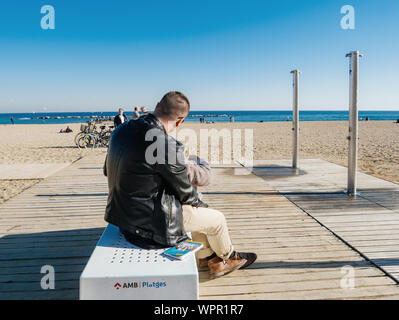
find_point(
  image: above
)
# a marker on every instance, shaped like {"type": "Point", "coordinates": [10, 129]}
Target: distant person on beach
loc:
{"type": "Point", "coordinates": [12, 120]}
{"type": "Point", "coordinates": [67, 130]}
{"type": "Point", "coordinates": [136, 113]}
{"type": "Point", "coordinates": [120, 118]}
{"type": "Point", "coordinates": [151, 198]}
{"type": "Point", "coordinates": [144, 112]}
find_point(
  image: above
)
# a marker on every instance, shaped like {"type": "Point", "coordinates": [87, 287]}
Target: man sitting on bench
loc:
{"type": "Point", "coordinates": [151, 199]}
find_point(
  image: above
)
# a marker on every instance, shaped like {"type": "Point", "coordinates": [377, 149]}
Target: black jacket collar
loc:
{"type": "Point", "coordinates": [153, 119]}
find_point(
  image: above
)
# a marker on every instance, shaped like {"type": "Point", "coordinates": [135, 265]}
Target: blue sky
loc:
{"type": "Point", "coordinates": [222, 54]}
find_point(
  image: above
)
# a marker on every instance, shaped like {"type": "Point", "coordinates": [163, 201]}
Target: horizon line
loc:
{"type": "Point", "coordinates": [277, 110]}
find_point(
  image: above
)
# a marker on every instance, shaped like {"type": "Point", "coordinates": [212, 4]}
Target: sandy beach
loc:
{"type": "Point", "coordinates": [378, 146]}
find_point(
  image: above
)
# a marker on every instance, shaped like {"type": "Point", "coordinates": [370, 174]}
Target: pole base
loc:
{"type": "Point", "coordinates": [352, 194]}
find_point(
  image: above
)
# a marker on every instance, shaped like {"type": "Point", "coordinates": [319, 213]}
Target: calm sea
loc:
{"type": "Point", "coordinates": [239, 116]}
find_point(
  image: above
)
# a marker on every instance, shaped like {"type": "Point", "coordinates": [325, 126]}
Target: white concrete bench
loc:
{"type": "Point", "coordinates": [120, 270]}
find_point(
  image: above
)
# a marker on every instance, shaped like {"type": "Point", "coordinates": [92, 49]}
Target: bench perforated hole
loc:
{"type": "Point", "coordinates": [134, 254]}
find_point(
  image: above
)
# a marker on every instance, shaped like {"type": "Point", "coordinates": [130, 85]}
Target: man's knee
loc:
{"type": "Point", "coordinates": [216, 222]}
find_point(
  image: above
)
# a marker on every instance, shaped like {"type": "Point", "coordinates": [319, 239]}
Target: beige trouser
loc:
{"type": "Point", "coordinates": [209, 227]}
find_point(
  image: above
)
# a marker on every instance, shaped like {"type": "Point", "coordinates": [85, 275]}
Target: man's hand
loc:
{"type": "Point", "coordinates": [200, 204]}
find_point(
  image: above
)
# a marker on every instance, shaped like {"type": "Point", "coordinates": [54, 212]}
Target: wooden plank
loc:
{"type": "Point", "coordinates": [294, 286]}
{"type": "Point", "coordinates": [360, 293]}
{"type": "Point", "coordinates": [66, 294]}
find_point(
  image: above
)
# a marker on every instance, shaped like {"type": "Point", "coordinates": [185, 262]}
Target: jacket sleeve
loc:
{"type": "Point", "coordinates": [198, 171]}
{"type": "Point", "coordinates": [174, 172]}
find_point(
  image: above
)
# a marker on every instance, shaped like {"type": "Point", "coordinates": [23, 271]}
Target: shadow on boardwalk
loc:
{"type": "Point", "coordinates": [23, 255]}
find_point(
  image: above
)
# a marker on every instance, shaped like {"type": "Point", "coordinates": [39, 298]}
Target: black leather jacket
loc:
{"type": "Point", "coordinates": [145, 198]}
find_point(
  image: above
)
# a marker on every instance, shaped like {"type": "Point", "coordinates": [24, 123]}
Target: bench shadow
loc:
{"type": "Point", "coordinates": [22, 257]}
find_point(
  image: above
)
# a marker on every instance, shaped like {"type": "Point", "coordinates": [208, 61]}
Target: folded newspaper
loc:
{"type": "Point", "coordinates": [183, 249]}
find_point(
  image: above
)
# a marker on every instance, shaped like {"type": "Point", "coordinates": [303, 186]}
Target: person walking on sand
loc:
{"type": "Point", "coordinates": [120, 118]}
{"type": "Point", "coordinates": [151, 198]}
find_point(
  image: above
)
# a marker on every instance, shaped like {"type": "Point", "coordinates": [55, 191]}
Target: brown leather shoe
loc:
{"type": "Point", "coordinates": [202, 264]}
{"type": "Point", "coordinates": [217, 267]}
{"type": "Point", "coordinates": [249, 256]}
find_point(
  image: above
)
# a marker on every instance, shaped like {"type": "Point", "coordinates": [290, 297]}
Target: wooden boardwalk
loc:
{"type": "Point", "coordinates": [369, 222]}
{"type": "Point", "coordinates": [58, 222]}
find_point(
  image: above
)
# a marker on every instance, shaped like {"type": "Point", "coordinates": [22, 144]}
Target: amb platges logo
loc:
{"type": "Point", "coordinates": [138, 285]}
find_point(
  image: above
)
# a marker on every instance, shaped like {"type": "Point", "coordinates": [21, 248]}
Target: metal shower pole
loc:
{"type": "Point", "coordinates": [353, 121]}
{"type": "Point", "coordinates": [295, 120]}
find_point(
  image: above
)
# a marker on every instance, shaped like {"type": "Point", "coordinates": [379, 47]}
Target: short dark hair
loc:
{"type": "Point", "coordinates": [173, 105]}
